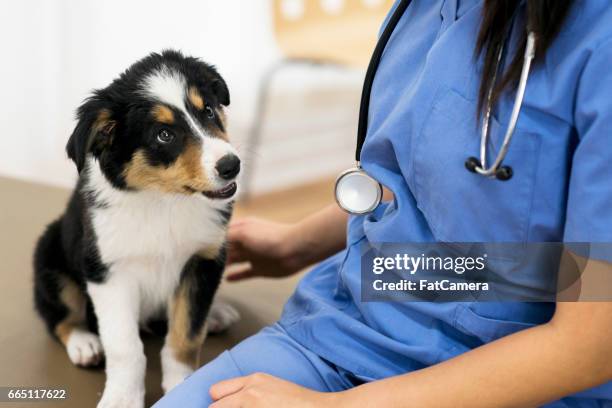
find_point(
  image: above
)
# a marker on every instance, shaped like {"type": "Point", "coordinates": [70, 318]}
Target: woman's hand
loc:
{"type": "Point", "coordinates": [263, 390]}
{"type": "Point", "coordinates": [271, 249]}
{"type": "Point", "coordinates": [275, 250]}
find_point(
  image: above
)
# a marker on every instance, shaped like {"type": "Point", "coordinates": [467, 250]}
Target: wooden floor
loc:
{"type": "Point", "coordinates": [29, 357]}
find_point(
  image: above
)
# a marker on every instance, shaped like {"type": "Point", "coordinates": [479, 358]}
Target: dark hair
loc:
{"type": "Point", "coordinates": [544, 17]}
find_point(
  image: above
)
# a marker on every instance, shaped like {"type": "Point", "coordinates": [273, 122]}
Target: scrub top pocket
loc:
{"type": "Point", "coordinates": [450, 197]}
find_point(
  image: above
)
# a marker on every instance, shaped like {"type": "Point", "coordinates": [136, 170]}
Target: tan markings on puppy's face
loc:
{"type": "Point", "coordinates": [101, 135]}
{"type": "Point", "coordinates": [220, 133]}
{"type": "Point", "coordinates": [195, 98]}
{"type": "Point", "coordinates": [163, 114]}
{"type": "Point", "coordinates": [102, 120]}
{"type": "Point", "coordinates": [222, 117]}
{"type": "Point", "coordinates": [185, 175]}
{"type": "Point", "coordinates": [185, 348]}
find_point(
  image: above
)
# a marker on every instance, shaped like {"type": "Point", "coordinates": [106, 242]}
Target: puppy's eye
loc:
{"type": "Point", "coordinates": [165, 137]}
{"type": "Point", "coordinates": [210, 113]}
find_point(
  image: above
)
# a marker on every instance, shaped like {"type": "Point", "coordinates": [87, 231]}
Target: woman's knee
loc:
{"type": "Point", "coordinates": [193, 392]}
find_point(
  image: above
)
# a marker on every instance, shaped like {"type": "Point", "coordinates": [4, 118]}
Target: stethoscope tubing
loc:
{"type": "Point", "coordinates": [371, 72]}
{"type": "Point", "coordinates": [473, 164]}
{"type": "Point", "coordinates": [516, 110]}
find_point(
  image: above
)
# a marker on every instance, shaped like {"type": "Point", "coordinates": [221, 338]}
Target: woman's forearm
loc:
{"type": "Point", "coordinates": [319, 235]}
{"type": "Point", "coordinates": [526, 369]}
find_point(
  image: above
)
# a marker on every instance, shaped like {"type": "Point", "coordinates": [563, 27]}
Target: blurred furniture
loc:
{"type": "Point", "coordinates": [341, 33]}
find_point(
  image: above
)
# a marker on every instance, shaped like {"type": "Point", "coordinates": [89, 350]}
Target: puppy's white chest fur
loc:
{"type": "Point", "coordinates": [145, 238]}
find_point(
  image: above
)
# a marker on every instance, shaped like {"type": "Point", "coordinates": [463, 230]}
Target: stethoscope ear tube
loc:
{"type": "Point", "coordinates": [356, 192]}
{"type": "Point", "coordinates": [496, 170]}
{"type": "Point", "coordinates": [364, 106]}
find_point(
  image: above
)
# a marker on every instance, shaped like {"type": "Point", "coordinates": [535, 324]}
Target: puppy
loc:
{"type": "Point", "coordinates": [142, 238]}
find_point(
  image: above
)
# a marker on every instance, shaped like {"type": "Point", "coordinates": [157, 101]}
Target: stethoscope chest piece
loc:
{"type": "Point", "coordinates": [356, 192]}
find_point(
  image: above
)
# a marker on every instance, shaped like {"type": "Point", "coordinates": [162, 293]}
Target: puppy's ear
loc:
{"type": "Point", "coordinates": [219, 88]}
{"type": "Point", "coordinates": [93, 133]}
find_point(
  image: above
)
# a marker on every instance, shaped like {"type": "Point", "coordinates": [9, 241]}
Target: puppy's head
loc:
{"type": "Point", "coordinates": [160, 126]}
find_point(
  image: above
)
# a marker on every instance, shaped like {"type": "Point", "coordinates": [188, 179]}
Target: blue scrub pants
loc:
{"type": "Point", "coordinates": [274, 352]}
{"type": "Point", "coordinates": [270, 351]}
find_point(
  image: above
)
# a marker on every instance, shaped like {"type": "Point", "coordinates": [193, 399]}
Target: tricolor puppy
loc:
{"type": "Point", "coordinates": [142, 238]}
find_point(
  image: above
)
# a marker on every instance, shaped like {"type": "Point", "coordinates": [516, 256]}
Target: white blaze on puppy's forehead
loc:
{"type": "Point", "coordinates": [169, 86]}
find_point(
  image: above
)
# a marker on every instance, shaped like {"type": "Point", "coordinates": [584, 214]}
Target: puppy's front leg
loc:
{"type": "Point", "coordinates": [187, 311]}
{"type": "Point", "coordinates": [116, 304]}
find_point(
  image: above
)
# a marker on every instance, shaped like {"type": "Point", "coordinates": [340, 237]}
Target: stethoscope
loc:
{"type": "Point", "coordinates": [358, 193]}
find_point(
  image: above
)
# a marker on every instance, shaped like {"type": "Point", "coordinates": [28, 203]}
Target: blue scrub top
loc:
{"type": "Point", "coordinates": [422, 127]}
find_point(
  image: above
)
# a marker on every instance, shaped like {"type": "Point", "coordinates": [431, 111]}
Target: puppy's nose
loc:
{"type": "Point", "coordinates": [228, 166]}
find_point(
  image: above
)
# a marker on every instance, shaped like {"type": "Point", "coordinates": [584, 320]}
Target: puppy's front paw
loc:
{"type": "Point", "coordinates": [173, 371]}
{"type": "Point", "coordinates": [174, 377]}
{"type": "Point", "coordinates": [221, 317]}
{"type": "Point", "coordinates": [121, 398]}
{"type": "Point", "coordinates": [84, 348]}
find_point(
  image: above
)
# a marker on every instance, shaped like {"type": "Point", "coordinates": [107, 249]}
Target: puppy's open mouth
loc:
{"type": "Point", "coordinates": [225, 192]}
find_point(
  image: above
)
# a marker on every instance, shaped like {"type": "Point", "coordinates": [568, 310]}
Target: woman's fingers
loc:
{"type": "Point", "coordinates": [237, 228]}
{"type": "Point", "coordinates": [235, 233]}
{"type": "Point", "coordinates": [228, 387]}
{"type": "Point", "coordinates": [235, 254]}
{"type": "Point", "coordinates": [230, 401]}
{"type": "Point", "coordinates": [236, 245]}
{"type": "Point", "coordinates": [235, 222]}
{"type": "Point", "coordinates": [239, 273]}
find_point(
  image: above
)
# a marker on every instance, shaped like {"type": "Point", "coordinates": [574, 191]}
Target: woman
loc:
{"type": "Point", "coordinates": [427, 103]}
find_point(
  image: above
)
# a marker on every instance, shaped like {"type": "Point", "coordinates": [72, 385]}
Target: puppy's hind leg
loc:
{"type": "Point", "coordinates": [61, 302]}
{"type": "Point", "coordinates": [83, 347]}
{"type": "Point", "coordinates": [221, 317]}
